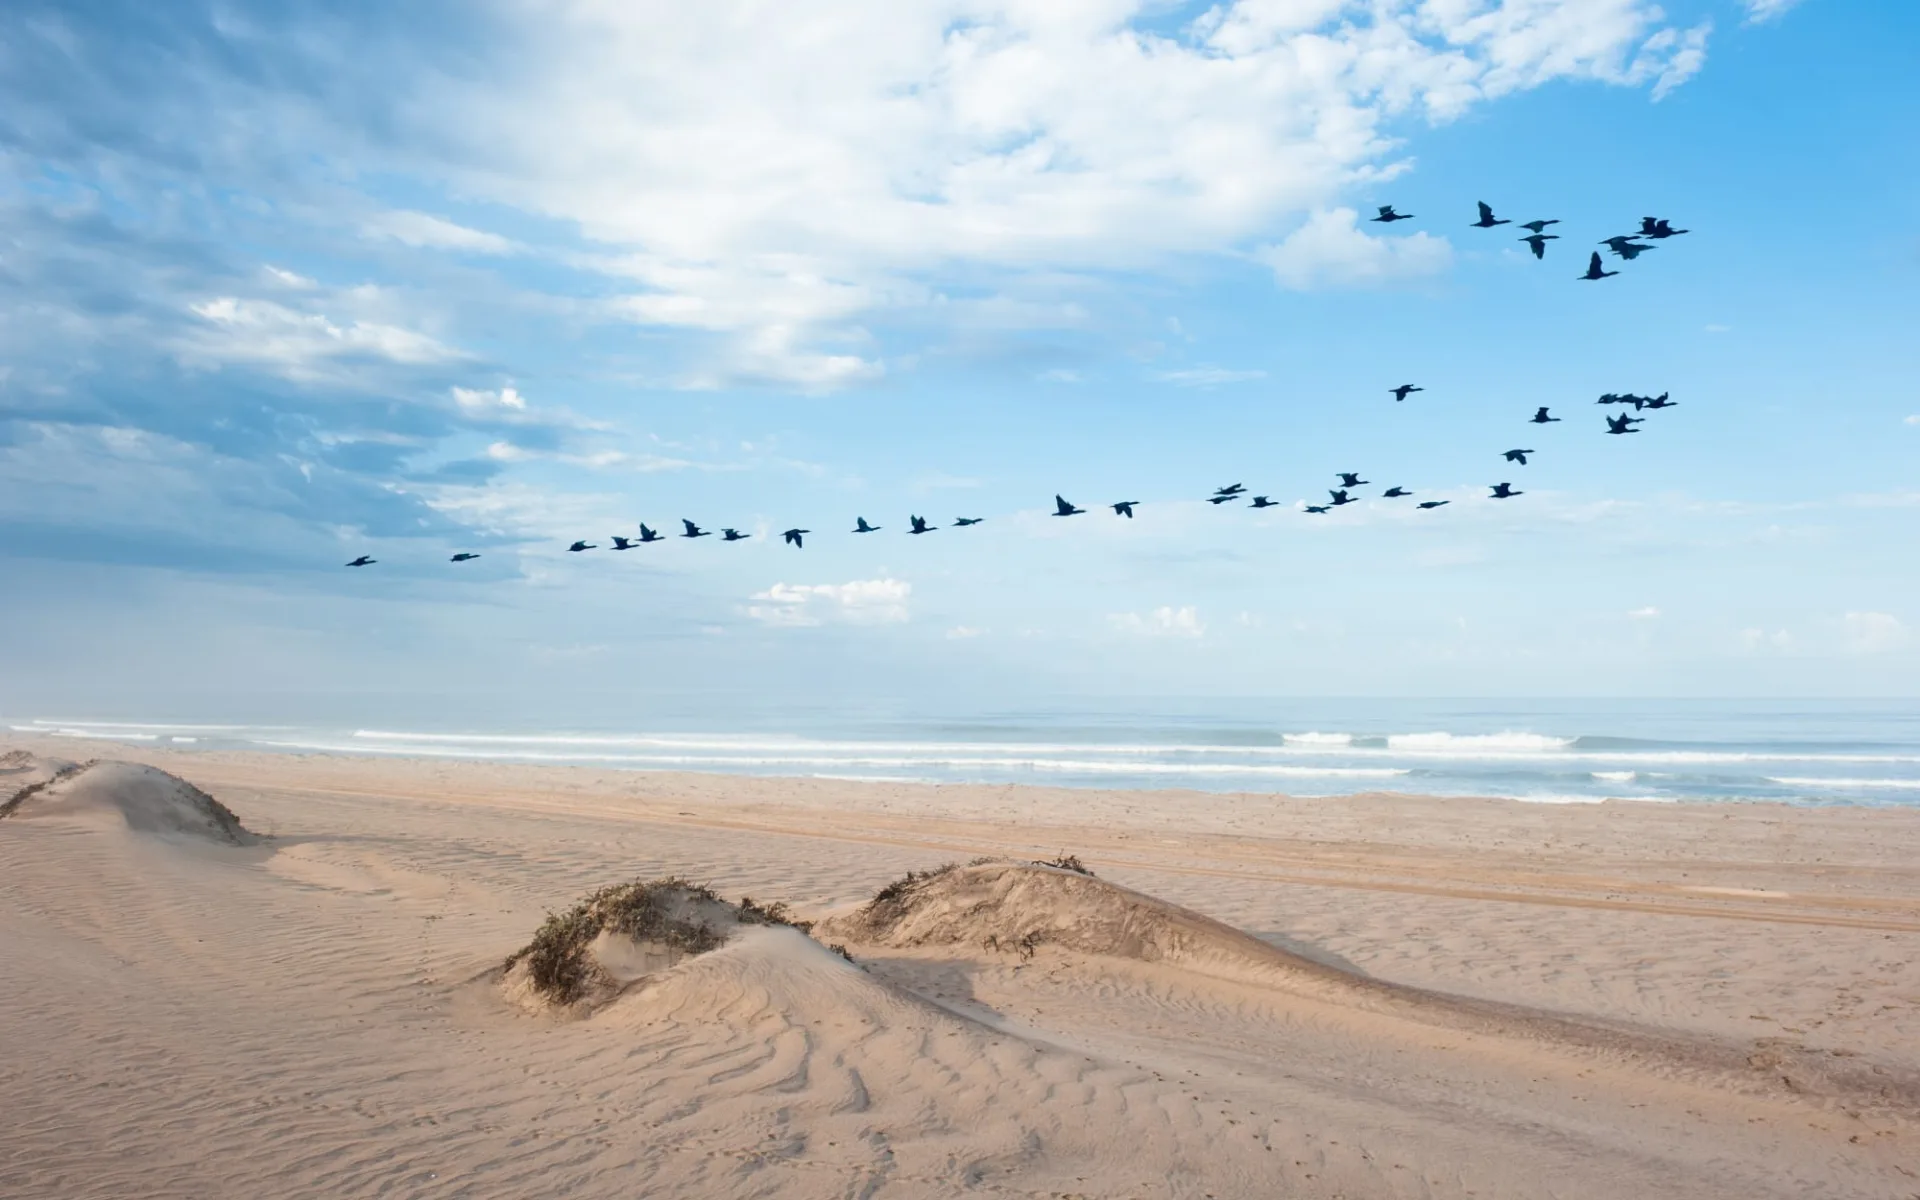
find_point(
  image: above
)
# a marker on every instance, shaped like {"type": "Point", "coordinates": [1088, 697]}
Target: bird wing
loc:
{"type": "Point", "coordinates": [1486, 213]}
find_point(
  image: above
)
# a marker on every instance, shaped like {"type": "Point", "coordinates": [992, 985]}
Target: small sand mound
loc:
{"type": "Point", "coordinates": [23, 773]}
{"type": "Point", "coordinates": [1021, 907]}
{"type": "Point", "coordinates": [584, 957]}
{"type": "Point", "coordinates": [143, 799]}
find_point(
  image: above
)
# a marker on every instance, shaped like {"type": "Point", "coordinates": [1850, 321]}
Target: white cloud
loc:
{"type": "Point", "coordinates": [962, 632]}
{"type": "Point", "coordinates": [476, 400]}
{"type": "Point", "coordinates": [1874, 632]}
{"type": "Point", "coordinates": [860, 602]}
{"type": "Point", "coordinates": [1060, 375]}
{"type": "Point", "coordinates": [756, 197]}
{"type": "Point", "coordinates": [1757, 641]}
{"type": "Point", "coordinates": [1165, 621]}
{"type": "Point", "coordinates": [1331, 250]}
{"type": "Point", "coordinates": [1759, 11]}
{"type": "Point", "coordinates": [1207, 376]}
{"type": "Point", "coordinates": [1648, 613]}
{"type": "Point", "coordinates": [299, 345]}
{"type": "Point", "coordinates": [600, 460]}
{"type": "Point", "coordinates": [426, 231]}
{"type": "Point", "coordinates": [1914, 419]}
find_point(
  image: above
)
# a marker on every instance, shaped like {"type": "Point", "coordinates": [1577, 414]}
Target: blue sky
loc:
{"type": "Point", "coordinates": [276, 291]}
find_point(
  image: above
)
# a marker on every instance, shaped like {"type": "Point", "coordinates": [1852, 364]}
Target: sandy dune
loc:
{"type": "Point", "coordinates": [1256, 996]}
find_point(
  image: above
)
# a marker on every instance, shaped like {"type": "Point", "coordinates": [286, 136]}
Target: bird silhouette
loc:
{"type": "Point", "coordinates": [620, 543]}
{"type": "Point", "coordinates": [1540, 417]}
{"type": "Point", "coordinates": [1659, 401]}
{"type": "Point", "coordinates": [1538, 242]}
{"type": "Point", "coordinates": [1504, 491]}
{"type": "Point", "coordinates": [1062, 509]}
{"type": "Point", "coordinates": [1125, 509]}
{"type": "Point", "coordinates": [963, 522]}
{"type": "Point", "coordinates": [1339, 497]}
{"type": "Point", "coordinates": [1594, 270]}
{"type": "Point", "coordinates": [692, 530]}
{"type": "Point", "coordinates": [860, 526]}
{"type": "Point", "coordinates": [1396, 492]}
{"type": "Point", "coordinates": [577, 547]}
{"type": "Point", "coordinates": [1613, 398]}
{"type": "Point", "coordinates": [1400, 393]}
{"type": "Point", "coordinates": [1220, 499]}
{"type": "Point", "coordinates": [1622, 424]}
{"type": "Point", "coordinates": [1620, 244]}
{"type": "Point", "coordinates": [1262, 502]}
{"type": "Point", "coordinates": [1389, 216]}
{"type": "Point", "coordinates": [919, 525]}
{"type": "Point", "coordinates": [733, 535]}
{"type": "Point", "coordinates": [1433, 503]}
{"type": "Point", "coordinates": [1537, 226]}
{"type": "Point", "coordinates": [1319, 508]}
{"type": "Point", "coordinates": [1659, 227]}
{"type": "Point", "coordinates": [1519, 456]}
{"type": "Point", "coordinates": [1351, 479]}
{"type": "Point", "coordinates": [647, 535]}
{"type": "Point", "coordinates": [793, 537]}
{"type": "Point", "coordinates": [1232, 489]}
{"type": "Point", "coordinates": [463, 556]}
{"type": "Point", "coordinates": [363, 561]}
{"type": "Point", "coordinates": [1487, 219]}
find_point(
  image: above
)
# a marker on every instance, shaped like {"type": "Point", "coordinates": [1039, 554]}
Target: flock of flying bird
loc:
{"type": "Point", "coordinates": [1627, 247]}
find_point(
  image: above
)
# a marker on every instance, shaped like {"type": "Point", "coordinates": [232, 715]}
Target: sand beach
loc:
{"type": "Point", "coordinates": [1251, 995]}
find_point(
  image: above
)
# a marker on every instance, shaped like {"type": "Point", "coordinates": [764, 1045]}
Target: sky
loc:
{"type": "Point", "coordinates": [279, 289]}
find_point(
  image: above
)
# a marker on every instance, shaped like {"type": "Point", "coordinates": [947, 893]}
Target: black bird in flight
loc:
{"type": "Point", "coordinates": [1389, 216]}
{"type": "Point", "coordinates": [577, 547]}
{"type": "Point", "coordinates": [1351, 479]}
{"type": "Point", "coordinates": [860, 526]}
{"type": "Point", "coordinates": [1319, 508]}
{"type": "Point", "coordinates": [733, 535]}
{"type": "Point", "coordinates": [1622, 424]}
{"type": "Point", "coordinates": [1125, 509]}
{"type": "Point", "coordinates": [1062, 509]}
{"type": "Point", "coordinates": [1221, 498]}
{"type": "Point", "coordinates": [1659, 401]}
{"type": "Point", "coordinates": [1594, 270]}
{"type": "Point", "coordinates": [1540, 417]}
{"type": "Point", "coordinates": [1400, 393]}
{"type": "Point", "coordinates": [1616, 244]}
{"type": "Point", "coordinates": [1613, 398]}
{"type": "Point", "coordinates": [463, 556]}
{"type": "Point", "coordinates": [363, 561]}
{"type": "Point", "coordinates": [647, 535]}
{"type": "Point", "coordinates": [1537, 226]}
{"type": "Point", "coordinates": [1504, 491]}
{"type": "Point", "coordinates": [1487, 219]}
{"type": "Point", "coordinates": [1538, 242]}
{"type": "Point", "coordinates": [620, 543]}
{"type": "Point", "coordinates": [1519, 456]}
{"type": "Point", "coordinates": [1232, 489]}
{"type": "Point", "coordinates": [1659, 227]}
{"type": "Point", "coordinates": [792, 537]}
{"type": "Point", "coordinates": [1433, 503]}
{"type": "Point", "coordinates": [1339, 497]}
{"type": "Point", "coordinates": [692, 530]}
{"type": "Point", "coordinates": [963, 522]}
{"type": "Point", "coordinates": [919, 525]}
{"type": "Point", "coordinates": [1262, 502]}
{"type": "Point", "coordinates": [1396, 492]}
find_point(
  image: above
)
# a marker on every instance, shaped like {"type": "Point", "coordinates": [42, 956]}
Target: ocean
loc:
{"type": "Point", "coordinates": [1797, 752]}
